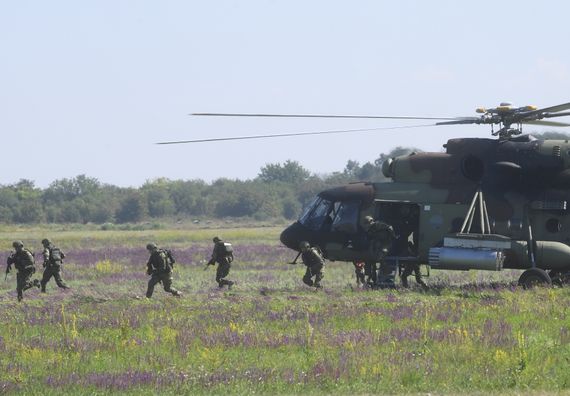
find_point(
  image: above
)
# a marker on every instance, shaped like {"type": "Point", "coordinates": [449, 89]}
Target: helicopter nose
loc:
{"type": "Point", "coordinates": [292, 236]}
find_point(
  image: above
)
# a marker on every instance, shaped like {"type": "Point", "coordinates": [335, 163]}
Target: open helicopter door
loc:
{"type": "Point", "coordinates": [404, 217]}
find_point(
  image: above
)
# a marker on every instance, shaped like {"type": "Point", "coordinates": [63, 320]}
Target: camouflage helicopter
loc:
{"type": "Point", "coordinates": [483, 204]}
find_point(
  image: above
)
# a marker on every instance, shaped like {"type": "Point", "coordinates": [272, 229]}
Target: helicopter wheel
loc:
{"type": "Point", "coordinates": [534, 277]}
{"type": "Point", "coordinates": [559, 278]}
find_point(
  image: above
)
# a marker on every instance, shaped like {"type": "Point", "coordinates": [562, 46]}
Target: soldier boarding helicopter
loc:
{"type": "Point", "coordinates": [483, 204]}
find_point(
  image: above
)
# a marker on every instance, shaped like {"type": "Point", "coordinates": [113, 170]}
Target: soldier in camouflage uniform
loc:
{"type": "Point", "coordinates": [360, 272]}
{"type": "Point", "coordinates": [223, 255]}
{"type": "Point", "coordinates": [315, 263]}
{"type": "Point", "coordinates": [408, 268]}
{"type": "Point", "coordinates": [24, 262]}
{"type": "Point", "coordinates": [53, 260]}
{"type": "Point", "coordinates": [159, 266]}
{"type": "Point", "coordinates": [381, 237]}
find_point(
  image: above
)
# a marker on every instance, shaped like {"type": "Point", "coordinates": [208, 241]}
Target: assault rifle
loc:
{"type": "Point", "coordinates": [296, 258]}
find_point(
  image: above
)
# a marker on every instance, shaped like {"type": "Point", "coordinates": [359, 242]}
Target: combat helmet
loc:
{"type": "Point", "coordinates": [216, 239]}
{"type": "Point", "coordinates": [368, 219]}
{"type": "Point", "coordinates": [304, 245]}
{"type": "Point", "coordinates": [45, 242]}
{"type": "Point", "coordinates": [151, 246]}
{"type": "Point", "coordinates": [17, 244]}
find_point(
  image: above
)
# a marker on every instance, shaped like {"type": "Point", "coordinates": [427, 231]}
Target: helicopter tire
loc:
{"type": "Point", "coordinates": [559, 278]}
{"type": "Point", "coordinates": [534, 277]}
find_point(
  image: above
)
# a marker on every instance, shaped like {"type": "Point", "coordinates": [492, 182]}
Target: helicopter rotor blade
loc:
{"type": "Point", "coordinates": [553, 109]}
{"type": "Point", "coordinates": [549, 115]}
{"type": "Point", "coordinates": [293, 134]}
{"type": "Point", "coordinates": [463, 120]}
{"type": "Point", "coordinates": [320, 116]}
{"type": "Point", "coordinates": [546, 123]}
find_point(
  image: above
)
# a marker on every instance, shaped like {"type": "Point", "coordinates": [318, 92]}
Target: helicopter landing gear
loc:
{"type": "Point", "coordinates": [534, 277]}
{"type": "Point", "coordinates": [559, 278]}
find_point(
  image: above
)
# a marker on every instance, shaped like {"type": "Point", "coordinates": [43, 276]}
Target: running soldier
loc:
{"type": "Point", "coordinates": [24, 262]}
{"type": "Point", "coordinates": [315, 263]}
{"type": "Point", "coordinates": [53, 260]}
{"type": "Point", "coordinates": [223, 254]}
{"type": "Point", "coordinates": [159, 267]}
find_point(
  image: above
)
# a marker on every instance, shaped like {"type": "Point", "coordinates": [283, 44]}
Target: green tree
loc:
{"type": "Point", "coordinates": [131, 208]}
{"type": "Point", "coordinates": [289, 172]}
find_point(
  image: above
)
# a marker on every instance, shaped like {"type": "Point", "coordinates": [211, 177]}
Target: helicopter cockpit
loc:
{"type": "Point", "coordinates": [328, 216]}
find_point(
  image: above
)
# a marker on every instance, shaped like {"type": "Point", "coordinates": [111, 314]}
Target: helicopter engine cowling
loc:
{"type": "Point", "coordinates": [433, 168]}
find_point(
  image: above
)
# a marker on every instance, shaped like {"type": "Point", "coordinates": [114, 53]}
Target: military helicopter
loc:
{"type": "Point", "coordinates": [483, 204]}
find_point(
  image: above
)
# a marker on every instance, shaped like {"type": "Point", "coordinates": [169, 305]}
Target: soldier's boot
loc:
{"type": "Point", "coordinates": [230, 284]}
{"type": "Point", "coordinates": [405, 282]}
{"type": "Point", "coordinates": [176, 293]}
{"type": "Point", "coordinates": [20, 296]}
{"type": "Point", "coordinates": [37, 284]}
{"type": "Point", "coordinates": [307, 281]}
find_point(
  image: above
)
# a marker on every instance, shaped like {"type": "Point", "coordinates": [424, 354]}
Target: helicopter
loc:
{"type": "Point", "coordinates": [483, 204]}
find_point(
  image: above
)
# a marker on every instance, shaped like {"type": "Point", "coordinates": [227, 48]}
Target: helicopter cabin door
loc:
{"type": "Point", "coordinates": [404, 217]}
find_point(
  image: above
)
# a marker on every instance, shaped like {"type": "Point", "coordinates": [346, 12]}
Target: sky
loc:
{"type": "Point", "coordinates": [88, 87]}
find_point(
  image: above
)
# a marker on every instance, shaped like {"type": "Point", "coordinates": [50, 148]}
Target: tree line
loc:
{"type": "Point", "coordinates": [279, 191]}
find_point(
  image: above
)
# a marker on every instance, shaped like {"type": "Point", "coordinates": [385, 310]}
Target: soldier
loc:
{"type": "Point", "coordinates": [223, 254]}
{"type": "Point", "coordinates": [359, 271]}
{"type": "Point", "coordinates": [315, 263]}
{"type": "Point", "coordinates": [53, 260]}
{"type": "Point", "coordinates": [159, 266]}
{"type": "Point", "coordinates": [381, 236]}
{"type": "Point", "coordinates": [24, 262]}
{"type": "Point", "coordinates": [408, 269]}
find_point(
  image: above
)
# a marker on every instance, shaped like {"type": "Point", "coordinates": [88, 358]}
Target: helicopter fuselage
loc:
{"type": "Point", "coordinates": [525, 182]}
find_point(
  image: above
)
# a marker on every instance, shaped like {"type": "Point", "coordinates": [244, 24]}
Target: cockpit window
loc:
{"type": "Point", "coordinates": [346, 219]}
{"type": "Point", "coordinates": [308, 209]}
{"type": "Point", "coordinates": [318, 215]}
{"type": "Point", "coordinates": [324, 215]}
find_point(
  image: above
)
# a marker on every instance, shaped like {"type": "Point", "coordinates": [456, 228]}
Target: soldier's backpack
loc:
{"type": "Point", "coordinates": [55, 255]}
{"type": "Point", "coordinates": [228, 251]}
{"type": "Point", "coordinates": [166, 262]}
{"type": "Point", "coordinates": [26, 261]}
{"type": "Point", "coordinates": [170, 257]}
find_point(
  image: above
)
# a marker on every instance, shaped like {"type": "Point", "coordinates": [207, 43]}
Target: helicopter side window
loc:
{"type": "Point", "coordinates": [346, 219]}
{"type": "Point", "coordinates": [318, 215]}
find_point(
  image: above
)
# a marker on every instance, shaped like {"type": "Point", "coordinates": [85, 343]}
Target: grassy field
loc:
{"type": "Point", "coordinates": [472, 332]}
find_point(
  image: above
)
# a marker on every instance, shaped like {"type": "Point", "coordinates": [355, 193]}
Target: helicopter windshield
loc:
{"type": "Point", "coordinates": [315, 215]}
{"type": "Point", "coordinates": [325, 215]}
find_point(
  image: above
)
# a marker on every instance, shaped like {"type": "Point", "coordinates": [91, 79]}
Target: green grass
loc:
{"type": "Point", "coordinates": [472, 333]}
